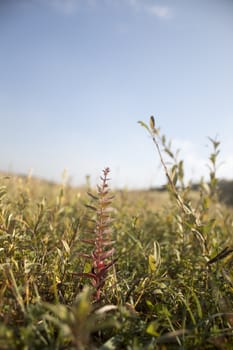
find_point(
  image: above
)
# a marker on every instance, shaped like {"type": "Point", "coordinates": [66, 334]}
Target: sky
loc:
{"type": "Point", "coordinates": [76, 76]}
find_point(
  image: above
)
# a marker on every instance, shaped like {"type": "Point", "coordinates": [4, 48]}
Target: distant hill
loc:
{"type": "Point", "coordinates": [225, 190]}
{"type": "Point", "coordinates": [225, 186]}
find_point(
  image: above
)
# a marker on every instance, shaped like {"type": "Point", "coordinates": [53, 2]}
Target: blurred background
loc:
{"type": "Point", "coordinates": [77, 75]}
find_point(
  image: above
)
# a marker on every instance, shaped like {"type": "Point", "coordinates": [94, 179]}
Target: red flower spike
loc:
{"type": "Point", "coordinates": [102, 253]}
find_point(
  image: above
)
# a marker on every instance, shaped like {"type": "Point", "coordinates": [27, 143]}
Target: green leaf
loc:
{"type": "Point", "coordinates": [144, 125]}
{"type": "Point", "coordinates": [213, 158]}
{"type": "Point", "coordinates": [175, 179]}
{"type": "Point", "coordinates": [152, 263]}
{"type": "Point", "coordinates": [181, 169]}
{"type": "Point", "coordinates": [149, 304]}
{"type": "Point", "coordinates": [59, 310]}
{"type": "Point", "coordinates": [152, 329]}
{"type": "Point", "coordinates": [199, 308]}
{"type": "Point", "coordinates": [166, 150]}
{"type": "Point", "coordinates": [87, 267]}
{"type": "Point", "coordinates": [154, 260]}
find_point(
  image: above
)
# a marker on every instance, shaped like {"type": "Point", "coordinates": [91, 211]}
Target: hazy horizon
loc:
{"type": "Point", "coordinates": [77, 75]}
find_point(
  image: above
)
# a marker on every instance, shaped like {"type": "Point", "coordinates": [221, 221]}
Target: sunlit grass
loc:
{"type": "Point", "coordinates": [169, 285]}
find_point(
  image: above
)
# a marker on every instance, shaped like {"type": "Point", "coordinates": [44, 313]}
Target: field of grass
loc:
{"type": "Point", "coordinates": [93, 269]}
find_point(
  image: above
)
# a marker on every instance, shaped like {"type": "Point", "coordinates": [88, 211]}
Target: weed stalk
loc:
{"type": "Point", "coordinates": [102, 253]}
{"type": "Point", "coordinates": [185, 207]}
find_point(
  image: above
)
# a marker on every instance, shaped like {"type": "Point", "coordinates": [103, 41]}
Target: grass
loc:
{"type": "Point", "coordinates": [168, 284]}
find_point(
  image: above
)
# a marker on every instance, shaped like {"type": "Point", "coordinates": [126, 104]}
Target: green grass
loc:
{"type": "Point", "coordinates": [169, 287]}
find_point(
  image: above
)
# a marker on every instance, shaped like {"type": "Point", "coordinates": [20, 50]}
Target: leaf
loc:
{"type": "Point", "coordinates": [172, 336]}
{"type": "Point", "coordinates": [213, 158]}
{"type": "Point", "coordinates": [59, 310]}
{"type": "Point", "coordinates": [106, 255]}
{"type": "Point", "coordinates": [155, 259]}
{"type": "Point", "coordinates": [199, 308]}
{"type": "Point", "coordinates": [87, 267]}
{"type": "Point", "coordinates": [214, 142]}
{"type": "Point", "coordinates": [85, 274]}
{"type": "Point", "coordinates": [92, 196]}
{"type": "Point", "coordinates": [174, 175]}
{"type": "Point", "coordinates": [225, 252]}
{"type": "Point", "coordinates": [181, 169]}
{"type": "Point", "coordinates": [2, 192]}
{"type": "Point", "coordinates": [59, 252]}
{"type": "Point", "coordinates": [150, 305]}
{"type": "Point", "coordinates": [135, 240]}
{"type": "Point", "coordinates": [166, 150]}
{"type": "Point", "coordinates": [152, 123]}
{"type": "Point", "coordinates": [91, 207]}
{"type": "Point", "coordinates": [83, 305]}
{"type": "Point", "coordinates": [89, 241]}
{"type": "Point", "coordinates": [111, 344]}
{"type": "Point", "coordinates": [144, 125]}
{"type": "Point", "coordinates": [66, 246]}
{"type": "Point", "coordinates": [106, 308]}
{"type": "Point", "coordinates": [85, 256]}
{"type": "Point", "coordinates": [152, 329]}
{"type": "Point", "coordinates": [152, 263]}
{"type": "Point", "coordinates": [65, 328]}
{"type": "Point", "coordinates": [175, 179]}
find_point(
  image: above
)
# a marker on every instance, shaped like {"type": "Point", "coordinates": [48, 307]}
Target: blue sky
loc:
{"type": "Point", "coordinates": [77, 75]}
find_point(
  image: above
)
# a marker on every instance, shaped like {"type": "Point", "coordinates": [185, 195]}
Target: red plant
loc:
{"type": "Point", "coordinates": [102, 253]}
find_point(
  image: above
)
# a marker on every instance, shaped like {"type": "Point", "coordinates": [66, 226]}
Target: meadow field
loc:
{"type": "Point", "coordinates": [92, 268]}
